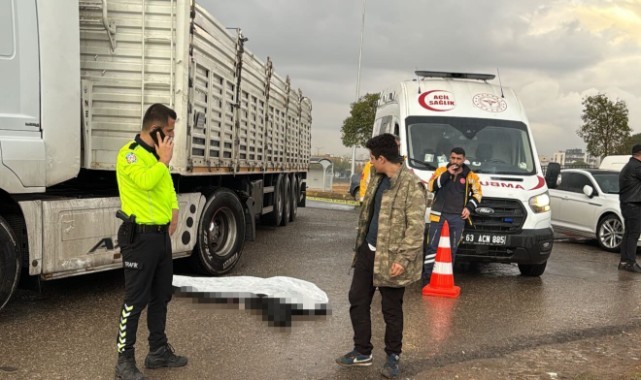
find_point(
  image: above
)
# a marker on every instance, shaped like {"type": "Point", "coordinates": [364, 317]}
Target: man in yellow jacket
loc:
{"type": "Point", "coordinates": [149, 200]}
{"type": "Point", "coordinates": [457, 193]}
{"type": "Point", "coordinates": [365, 176]}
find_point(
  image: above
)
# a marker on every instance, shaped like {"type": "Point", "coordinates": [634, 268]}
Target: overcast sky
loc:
{"type": "Point", "coordinates": [553, 53]}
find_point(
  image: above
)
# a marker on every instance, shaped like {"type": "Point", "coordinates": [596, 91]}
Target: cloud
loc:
{"type": "Point", "coordinates": [552, 52]}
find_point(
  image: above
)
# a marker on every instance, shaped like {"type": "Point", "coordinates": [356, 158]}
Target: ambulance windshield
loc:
{"type": "Point", "coordinates": [491, 146]}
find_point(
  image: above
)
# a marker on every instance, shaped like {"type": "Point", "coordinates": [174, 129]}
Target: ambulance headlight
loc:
{"type": "Point", "coordinates": [540, 203]}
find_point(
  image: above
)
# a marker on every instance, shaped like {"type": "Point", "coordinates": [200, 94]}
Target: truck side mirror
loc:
{"type": "Point", "coordinates": [552, 174]}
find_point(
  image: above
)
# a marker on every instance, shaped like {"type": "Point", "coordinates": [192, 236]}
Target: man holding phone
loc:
{"type": "Point", "coordinates": [148, 199]}
{"type": "Point", "coordinates": [457, 192]}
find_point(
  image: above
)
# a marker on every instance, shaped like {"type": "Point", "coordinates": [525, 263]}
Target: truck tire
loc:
{"type": "Point", "coordinates": [294, 198]}
{"type": "Point", "coordinates": [221, 234]}
{"type": "Point", "coordinates": [302, 193]}
{"type": "Point", "coordinates": [286, 199]}
{"type": "Point", "coordinates": [9, 262]}
{"type": "Point", "coordinates": [609, 233]}
{"type": "Point", "coordinates": [532, 270]}
{"type": "Point", "coordinates": [275, 217]}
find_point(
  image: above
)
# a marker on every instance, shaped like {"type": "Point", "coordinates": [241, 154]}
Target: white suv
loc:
{"type": "Point", "coordinates": [585, 203]}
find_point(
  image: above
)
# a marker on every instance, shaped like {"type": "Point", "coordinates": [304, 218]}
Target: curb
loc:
{"type": "Point", "coordinates": [336, 201]}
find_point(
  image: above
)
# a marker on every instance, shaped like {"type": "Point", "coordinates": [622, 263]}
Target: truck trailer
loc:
{"type": "Point", "coordinates": [77, 77]}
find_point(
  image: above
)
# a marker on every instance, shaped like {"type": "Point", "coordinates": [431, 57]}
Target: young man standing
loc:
{"type": "Point", "coordinates": [388, 248]}
{"type": "Point", "coordinates": [457, 193]}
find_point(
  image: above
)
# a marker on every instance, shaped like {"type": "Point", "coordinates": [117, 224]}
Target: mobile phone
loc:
{"type": "Point", "coordinates": [157, 135]}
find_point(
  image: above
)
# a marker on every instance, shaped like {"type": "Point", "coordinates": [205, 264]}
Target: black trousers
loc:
{"type": "Point", "coordinates": [148, 270]}
{"type": "Point", "coordinates": [632, 221]}
{"type": "Point", "coordinates": [360, 299]}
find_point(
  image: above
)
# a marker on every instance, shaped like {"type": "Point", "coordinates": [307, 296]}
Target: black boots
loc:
{"type": "Point", "coordinates": [164, 357]}
{"type": "Point", "coordinates": [126, 367]}
{"type": "Point", "coordinates": [161, 357]}
{"type": "Point", "coordinates": [630, 266]}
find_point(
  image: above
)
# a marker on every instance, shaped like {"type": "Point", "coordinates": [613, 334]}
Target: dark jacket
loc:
{"type": "Point", "coordinates": [441, 181]}
{"type": "Point", "coordinates": [630, 182]}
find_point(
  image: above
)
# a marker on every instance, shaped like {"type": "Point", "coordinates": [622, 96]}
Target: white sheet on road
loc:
{"type": "Point", "coordinates": [302, 294]}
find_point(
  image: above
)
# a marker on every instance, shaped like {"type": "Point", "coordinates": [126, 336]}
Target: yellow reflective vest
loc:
{"type": "Point", "coordinates": [145, 184]}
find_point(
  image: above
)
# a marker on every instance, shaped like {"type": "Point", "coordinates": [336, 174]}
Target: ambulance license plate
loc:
{"type": "Point", "coordinates": [484, 239]}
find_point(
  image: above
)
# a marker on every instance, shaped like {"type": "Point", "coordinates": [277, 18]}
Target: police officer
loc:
{"type": "Point", "coordinates": [149, 201]}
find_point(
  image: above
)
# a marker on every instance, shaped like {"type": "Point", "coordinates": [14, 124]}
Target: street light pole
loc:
{"type": "Point", "coordinates": [358, 78]}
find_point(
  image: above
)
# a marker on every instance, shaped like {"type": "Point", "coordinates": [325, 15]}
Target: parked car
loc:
{"type": "Point", "coordinates": [585, 203]}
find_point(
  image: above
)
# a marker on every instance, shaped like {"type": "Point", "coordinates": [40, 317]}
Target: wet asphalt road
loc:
{"type": "Point", "coordinates": [68, 330]}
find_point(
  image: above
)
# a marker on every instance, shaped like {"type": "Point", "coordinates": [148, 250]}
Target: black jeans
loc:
{"type": "Point", "coordinates": [360, 299]}
{"type": "Point", "coordinates": [149, 271]}
{"type": "Point", "coordinates": [632, 221]}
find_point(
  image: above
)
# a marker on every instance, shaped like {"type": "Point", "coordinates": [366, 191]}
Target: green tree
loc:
{"type": "Point", "coordinates": [605, 125]}
{"type": "Point", "coordinates": [357, 128]}
{"type": "Point", "coordinates": [626, 148]}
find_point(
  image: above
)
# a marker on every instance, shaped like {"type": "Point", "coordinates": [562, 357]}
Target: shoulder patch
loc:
{"type": "Point", "coordinates": [131, 158]}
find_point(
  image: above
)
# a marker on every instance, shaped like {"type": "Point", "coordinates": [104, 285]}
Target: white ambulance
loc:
{"type": "Point", "coordinates": [440, 110]}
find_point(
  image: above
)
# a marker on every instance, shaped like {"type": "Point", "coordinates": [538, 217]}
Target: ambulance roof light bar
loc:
{"type": "Point", "coordinates": [443, 74]}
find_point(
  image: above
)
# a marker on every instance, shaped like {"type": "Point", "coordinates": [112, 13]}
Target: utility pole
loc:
{"type": "Point", "coordinates": [358, 79]}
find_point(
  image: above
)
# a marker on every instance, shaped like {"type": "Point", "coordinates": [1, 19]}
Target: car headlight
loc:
{"type": "Point", "coordinates": [540, 203]}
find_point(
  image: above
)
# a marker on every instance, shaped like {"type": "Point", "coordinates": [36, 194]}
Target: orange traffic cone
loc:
{"type": "Point", "coordinates": [442, 279]}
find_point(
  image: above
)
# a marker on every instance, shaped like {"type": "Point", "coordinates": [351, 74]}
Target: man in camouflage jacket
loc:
{"type": "Point", "coordinates": [389, 248]}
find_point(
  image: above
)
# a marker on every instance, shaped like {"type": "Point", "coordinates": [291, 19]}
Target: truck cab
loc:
{"type": "Point", "coordinates": [441, 110]}
{"type": "Point", "coordinates": [40, 76]}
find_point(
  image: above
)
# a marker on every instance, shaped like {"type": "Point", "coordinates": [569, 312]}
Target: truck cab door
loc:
{"type": "Point", "coordinates": [19, 68]}
{"type": "Point", "coordinates": [22, 150]}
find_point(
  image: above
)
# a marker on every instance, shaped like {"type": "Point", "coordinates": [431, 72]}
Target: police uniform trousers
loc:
{"type": "Point", "coordinates": [148, 269]}
{"type": "Point", "coordinates": [360, 298]}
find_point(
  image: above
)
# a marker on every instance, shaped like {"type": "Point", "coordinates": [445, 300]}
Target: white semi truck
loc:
{"type": "Point", "coordinates": [76, 77]}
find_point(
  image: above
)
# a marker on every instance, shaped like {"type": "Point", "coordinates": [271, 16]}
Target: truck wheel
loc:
{"type": "Point", "coordinates": [9, 262]}
{"type": "Point", "coordinates": [274, 217]}
{"type": "Point", "coordinates": [356, 193]}
{"type": "Point", "coordinates": [532, 270]}
{"type": "Point", "coordinates": [609, 233]}
{"type": "Point", "coordinates": [294, 198]}
{"type": "Point", "coordinates": [302, 193]}
{"type": "Point", "coordinates": [221, 234]}
{"type": "Point", "coordinates": [286, 199]}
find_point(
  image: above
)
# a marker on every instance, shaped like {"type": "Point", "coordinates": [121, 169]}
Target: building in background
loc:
{"type": "Point", "coordinates": [321, 174]}
{"type": "Point", "coordinates": [559, 158]}
{"type": "Point", "coordinates": [575, 156]}
{"type": "Point", "coordinates": [544, 159]}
